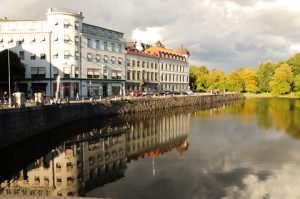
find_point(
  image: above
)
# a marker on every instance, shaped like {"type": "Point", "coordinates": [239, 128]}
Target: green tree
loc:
{"type": "Point", "coordinates": [281, 80]}
{"type": "Point", "coordinates": [248, 75]}
{"type": "Point", "coordinates": [294, 62]}
{"type": "Point", "coordinates": [198, 77]}
{"type": "Point", "coordinates": [297, 82]}
{"type": "Point", "coordinates": [234, 82]}
{"type": "Point", "coordinates": [216, 79]}
{"type": "Point", "coordinates": [17, 68]}
{"type": "Point", "coordinates": [265, 72]}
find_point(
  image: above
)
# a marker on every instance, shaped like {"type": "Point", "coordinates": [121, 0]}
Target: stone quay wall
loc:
{"type": "Point", "coordinates": [19, 124]}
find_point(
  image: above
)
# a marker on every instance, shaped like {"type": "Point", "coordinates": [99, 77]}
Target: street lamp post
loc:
{"type": "Point", "coordinates": [8, 67]}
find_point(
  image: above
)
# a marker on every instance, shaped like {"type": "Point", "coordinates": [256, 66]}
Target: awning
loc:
{"type": "Point", "coordinates": [76, 70]}
{"type": "Point", "coordinates": [42, 70]}
{"type": "Point", "coordinates": [90, 72]}
{"type": "Point", "coordinates": [34, 70]}
{"type": "Point", "coordinates": [96, 72]}
{"type": "Point", "coordinates": [67, 70]}
{"type": "Point", "coordinates": [55, 70]}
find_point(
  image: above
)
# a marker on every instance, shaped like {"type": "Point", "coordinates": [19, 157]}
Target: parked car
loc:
{"type": "Point", "coordinates": [136, 93]}
{"type": "Point", "coordinates": [148, 93]}
{"type": "Point", "coordinates": [164, 92]}
{"type": "Point", "coordinates": [187, 92]}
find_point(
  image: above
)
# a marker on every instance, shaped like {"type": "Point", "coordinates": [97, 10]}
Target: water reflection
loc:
{"type": "Point", "coordinates": [246, 149]}
{"type": "Point", "coordinates": [100, 156]}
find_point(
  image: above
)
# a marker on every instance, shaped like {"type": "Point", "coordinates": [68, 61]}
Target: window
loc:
{"type": "Point", "coordinates": [105, 45]}
{"type": "Point", "coordinates": [10, 41]}
{"type": "Point", "coordinates": [21, 41]}
{"type": "Point", "coordinates": [85, 28]}
{"type": "Point", "coordinates": [138, 63]}
{"type": "Point", "coordinates": [55, 73]}
{"type": "Point", "coordinates": [66, 72]}
{"type": "Point", "coordinates": [32, 57]}
{"type": "Point", "coordinates": [76, 25]}
{"type": "Point", "coordinates": [43, 40]}
{"type": "Point", "coordinates": [76, 40]}
{"type": "Point", "coordinates": [1, 40]}
{"type": "Point", "coordinates": [76, 72]}
{"type": "Point", "coordinates": [66, 38]}
{"type": "Point", "coordinates": [105, 59]}
{"type": "Point", "coordinates": [66, 54]}
{"type": "Point", "coordinates": [105, 72]}
{"type": "Point", "coordinates": [55, 39]}
{"type": "Point", "coordinates": [89, 42]}
{"type": "Point", "coordinates": [120, 60]}
{"type": "Point", "coordinates": [43, 55]}
{"type": "Point", "coordinates": [113, 60]}
{"type": "Point", "coordinates": [143, 64]}
{"type": "Point", "coordinates": [133, 63]}
{"type": "Point", "coordinates": [22, 55]}
{"type": "Point", "coordinates": [128, 62]}
{"type": "Point", "coordinates": [89, 57]}
{"type": "Point", "coordinates": [38, 72]}
{"type": "Point", "coordinates": [113, 47]}
{"type": "Point", "coordinates": [33, 40]}
{"type": "Point", "coordinates": [120, 48]}
{"type": "Point", "coordinates": [66, 23]}
{"type": "Point", "coordinates": [55, 55]}
{"type": "Point", "coordinates": [147, 64]}
{"type": "Point", "coordinates": [97, 44]}
{"type": "Point", "coordinates": [128, 75]}
{"type": "Point", "coordinates": [155, 65]}
{"type": "Point", "coordinates": [97, 58]}
{"type": "Point", "coordinates": [76, 55]}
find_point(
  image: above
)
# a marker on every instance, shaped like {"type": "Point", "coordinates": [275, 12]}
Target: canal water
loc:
{"type": "Point", "coordinates": [244, 149]}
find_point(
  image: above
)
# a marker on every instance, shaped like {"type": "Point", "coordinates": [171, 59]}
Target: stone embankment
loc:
{"type": "Point", "coordinates": [19, 124]}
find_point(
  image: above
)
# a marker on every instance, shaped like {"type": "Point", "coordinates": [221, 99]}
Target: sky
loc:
{"type": "Point", "coordinates": [224, 34]}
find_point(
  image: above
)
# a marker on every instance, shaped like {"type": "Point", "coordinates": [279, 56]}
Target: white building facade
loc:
{"type": "Point", "coordinates": [88, 59]}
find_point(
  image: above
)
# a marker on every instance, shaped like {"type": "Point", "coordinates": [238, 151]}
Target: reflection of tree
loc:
{"type": "Point", "coordinates": [263, 118]}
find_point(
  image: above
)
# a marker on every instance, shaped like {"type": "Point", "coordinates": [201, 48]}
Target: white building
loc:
{"type": "Point", "coordinates": [142, 70]}
{"type": "Point", "coordinates": [173, 67]}
{"type": "Point", "coordinates": [88, 59]}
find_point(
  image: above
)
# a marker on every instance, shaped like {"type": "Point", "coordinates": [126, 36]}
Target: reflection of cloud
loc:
{"type": "Point", "coordinates": [283, 184]}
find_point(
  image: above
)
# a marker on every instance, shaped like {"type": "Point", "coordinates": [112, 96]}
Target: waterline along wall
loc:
{"type": "Point", "coordinates": [19, 124]}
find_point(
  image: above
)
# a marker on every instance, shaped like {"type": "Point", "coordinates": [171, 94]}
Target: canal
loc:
{"type": "Point", "coordinates": [241, 149]}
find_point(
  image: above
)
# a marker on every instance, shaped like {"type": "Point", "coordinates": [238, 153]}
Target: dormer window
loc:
{"type": "Point", "coordinates": [56, 38]}
{"type": "Point", "coordinates": [32, 39]}
{"type": "Point", "coordinates": [43, 55]}
{"type": "Point", "coordinates": [55, 55]}
{"type": "Point", "coordinates": [43, 39]}
{"type": "Point", "coordinates": [56, 23]}
{"type": "Point", "coordinates": [10, 41]}
{"type": "Point", "coordinates": [1, 40]}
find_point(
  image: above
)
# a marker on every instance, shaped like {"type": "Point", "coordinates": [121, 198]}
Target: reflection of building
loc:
{"type": "Point", "coordinates": [98, 157]}
{"type": "Point", "coordinates": [89, 59]}
{"type": "Point", "coordinates": [53, 175]}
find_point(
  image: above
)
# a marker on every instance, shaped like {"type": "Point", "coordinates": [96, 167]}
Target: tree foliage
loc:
{"type": "Point", "coordinates": [216, 79]}
{"type": "Point", "coordinates": [234, 82]}
{"type": "Point", "coordinates": [248, 75]}
{"type": "Point", "coordinates": [17, 68]}
{"type": "Point", "coordinates": [281, 80]}
{"type": "Point", "coordinates": [265, 72]}
{"type": "Point", "coordinates": [294, 62]}
{"type": "Point", "coordinates": [198, 77]}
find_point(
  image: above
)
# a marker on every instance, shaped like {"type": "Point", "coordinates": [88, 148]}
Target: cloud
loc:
{"type": "Point", "coordinates": [219, 33]}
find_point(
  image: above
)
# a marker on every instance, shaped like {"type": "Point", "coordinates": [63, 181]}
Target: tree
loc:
{"type": "Point", "coordinates": [264, 73]}
{"type": "Point", "coordinates": [17, 68]}
{"type": "Point", "coordinates": [294, 62]}
{"type": "Point", "coordinates": [234, 82]}
{"type": "Point", "coordinates": [297, 82]}
{"type": "Point", "coordinates": [248, 75]}
{"type": "Point", "coordinates": [198, 77]}
{"type": "Point", "coordinates": [281, 80]}
{"type": "Point", "coordinates": [216, 79]}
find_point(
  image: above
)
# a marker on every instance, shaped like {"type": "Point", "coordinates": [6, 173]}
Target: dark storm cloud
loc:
{"type": "Point", "coordinates": [219, 33]}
